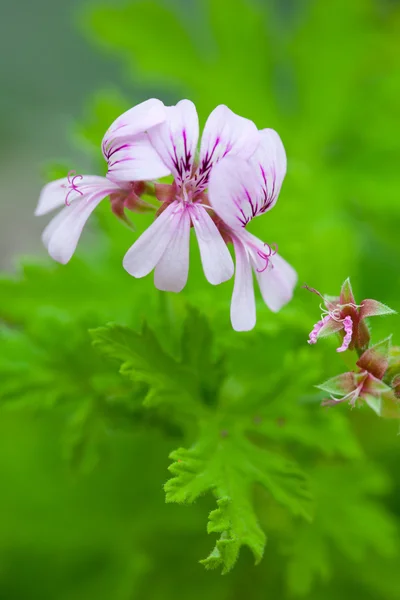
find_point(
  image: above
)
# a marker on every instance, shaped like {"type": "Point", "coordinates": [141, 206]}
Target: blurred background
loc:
{"type": "Point", "coordinates": [326, 76]}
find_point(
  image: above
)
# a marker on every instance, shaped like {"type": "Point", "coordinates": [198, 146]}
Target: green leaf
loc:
{"type": "Point", "coordinates": [227, 464]}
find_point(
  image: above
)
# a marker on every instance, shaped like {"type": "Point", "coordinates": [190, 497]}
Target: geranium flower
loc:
{"type": "Point", "coordinates": [240, 190]}
{"type": "Point", "coordinates": [342, 315]}
{"type": "Point", "coordinates": [80, 194]}
{"type": "Point", "coordinates": [366, 385]}
{"type": "Point", "coordinates": [164, 246]}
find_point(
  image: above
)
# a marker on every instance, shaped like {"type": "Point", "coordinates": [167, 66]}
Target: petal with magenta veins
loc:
{"type": "Point", "coordinates": [215, 256]}
{"type": "Point", "coordinates": [148, 249]}
{"type": "Point", "coordinates": [57, 193]}
{"type": "Point", "coordinates": [224, 133]}
{"type": "Point", "coordinates": [373, 308]}
{"type": "Point", "coordinates": [233, 191]}
{"type": "Point", "coordinates": [375, 360]}
{"type": "Point", "coordinates": [175, 140]}
{"type": "Point", "coordinates": [134, 160]}
{"type": "Point", "coordinates": [62, 234]}
{"type": "Point", "coordinates": [243, 304]}
{"type": "Point", "coordinates": [277, 282]}
{"type": "Point", "coordinates": [172, 270]}
{"type": "Point", "coordinates": [134, 121]}
{"type": "Point", "coordinates": [270, 162]}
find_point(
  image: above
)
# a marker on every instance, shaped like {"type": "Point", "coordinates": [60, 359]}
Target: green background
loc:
{"type": "Point", "coordinates": [82, 510]}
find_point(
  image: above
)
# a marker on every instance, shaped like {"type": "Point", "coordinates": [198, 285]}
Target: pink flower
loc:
{"type": "Point", "coordinates": [130, 157]}
{"type": "Point", "coordinates": [240, 190]}
{"type": "Point", "coordinates": [342, 315]}
{"type": "Point", "coordinates": [164, 246]}
{"type": "Point", "coordinates": [366, 385]}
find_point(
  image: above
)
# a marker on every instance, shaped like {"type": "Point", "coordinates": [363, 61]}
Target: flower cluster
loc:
{"type": "Point", "coordinates": [236, 176]}
{"type": "Point", "coordinates": [375, 380]}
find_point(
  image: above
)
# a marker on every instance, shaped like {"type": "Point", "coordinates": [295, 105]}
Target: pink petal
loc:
{"type": "Point", "coordinates": [148, 249]}
{"type": "Point", "coordinates": [215, 257]}
{"type": "Point", "coordinates": [375, 360]}
{"type": "Point", "coordinates": [234, 192]}
{"type": "Point", "coordinates": [348, 328]}
{"type": "Point", "coordinates": [225, 133]}
{"type": "Point", "coordinates": [243, 305]}
{"type": "Point", "coordinates": [341, 384]}
{"type": "Point", "coordinates": [270, 160]}
{"type": "Point", "coordinates": [134, 159]}
{"type": "Point", "coordinates": [373, 308]}
{"type": "Point", "coordinates": [277, 283]}
{"type": "Point", "coordinates": [313, 337]}
{"type": "Point", "coordinates": [330, 327]}
{"type": "Point", "coordinates": [134, 121]}
{"type": "Point", "coordinates": [62, 234]}
{"type": "Point", "coordinates": [54, 194]}
{"type": "Point", "coordinates": [346, 293]}
{"type": "Point", "coordinates": [172, 270]}
{"type": "Point", "coordinates": [176, 139]}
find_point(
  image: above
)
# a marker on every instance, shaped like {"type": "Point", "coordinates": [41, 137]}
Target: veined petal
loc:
{"type": "Point", "coordinates": [136, 120]}
{"type": "Point", "coordinates": [373, 308]}
{"type": "Point", "coordinates": [134, 159]}
{"type": "Point", "coordinates": [68, 189]}
{"type": "Point", "coordinates": [225, 133]}
{"type": "Point", "coordinates": [277, 282]}
{"type": "Point", "coordinates": [62, 234]}
{"type": "Point", "coordinates": [233, 191]}
{"type": "Point", "coordinates": [146, 252]}
{"type": "Point", "coordinates": [172, 270]}
{"type": "Point", "coordinates": [176, 139]}
{"type": "Point", "coordinates": [243, 305]}
{"type": "Point", "coordinates": [270, 160]}
{"type": "Point", "coordinates": [215, 256]}
{"type": "Point", "coordinates": [375, 360]}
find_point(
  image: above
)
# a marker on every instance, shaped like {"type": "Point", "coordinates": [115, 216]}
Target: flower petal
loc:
{"type": "Point", "coordinates": [215, 256]}
{"type": "Point", "coordinates": [225, 133]}
{"type": "Point", "coordinates": [134, 159]}
{"type": "Point", "coordinates": [243, 305]}
{"type": "Point", "coordinates": [172, 270]}
{"type": "Point", "coordinates": [277, 283]}
{"type": "Point", "coordinates": [375, 360]}
{"type": "Point", "coordinates": [57, 193]}
{"type": "Point", "coordinates": [176, 139]}
{"type": "Point", "coordinates": [148, 249]}
{"type": "Point", "coordinates": [270, 160]}
{"type": "Point", "coordinates": [62, 234]}
{"type": "Point", "coordinates": [234, 192]}
{"type": "Point", "coordinates": [137, 119]}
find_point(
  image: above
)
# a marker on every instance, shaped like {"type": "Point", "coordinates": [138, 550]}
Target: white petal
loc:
{"type": "Point", "coordinates": [176, 139]}
{"type": "Point", "coordinates": [136, 120]}
{"type": "Point", "coordinates": [145, 253]}
{"type": "Point", "coordinates": [62, 234]}
{"type": "Point", "coordinates": [277, 283]}
{"type": "Point", "coordinates": [234, 191]}
{"type": "Point", "coordinates": [58, 192]}
{"type": "Point", "coordinates": [215, 257]}
{"type": "Point", "coordinates": [243, 306]}
{"type": "Point", "coordinates": [172, 270]}
{"type": "Point", "coordinates": [270, 160]}
{"type": "Point", "coordinates": [225, 133]}
{"type": "Point", "coordinates": [134, 159]}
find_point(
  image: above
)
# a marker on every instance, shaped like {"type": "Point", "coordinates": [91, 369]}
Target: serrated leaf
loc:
{"type": "Point", "coordinates": [227, 464]}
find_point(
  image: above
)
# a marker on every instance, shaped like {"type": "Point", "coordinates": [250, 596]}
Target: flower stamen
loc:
{"type": "Point", "coordinates": [73, 186]}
